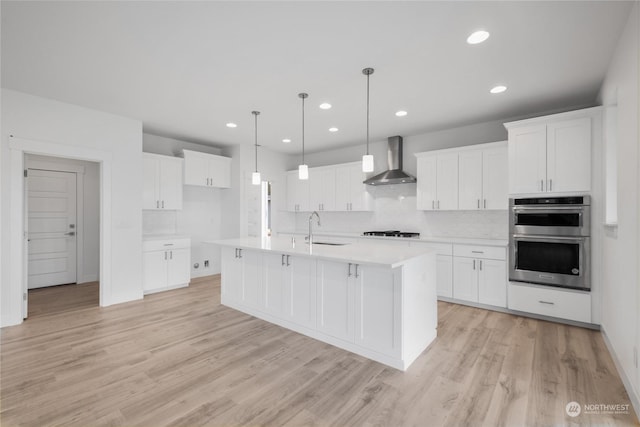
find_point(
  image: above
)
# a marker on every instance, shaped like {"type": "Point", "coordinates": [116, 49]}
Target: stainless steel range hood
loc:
{"type": "Point", "coordinates": [394, 175]}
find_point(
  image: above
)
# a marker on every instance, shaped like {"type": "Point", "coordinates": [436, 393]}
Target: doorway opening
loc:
{"type": "Point", "coordinates": [62, 219]}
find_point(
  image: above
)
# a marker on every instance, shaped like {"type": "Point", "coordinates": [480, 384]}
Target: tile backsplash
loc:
{"type": "Point", "coordinates": [395, 209]}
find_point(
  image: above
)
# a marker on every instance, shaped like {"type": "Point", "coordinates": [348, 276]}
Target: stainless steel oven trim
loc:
{"type": "Point", "coordinates": [581, 230]}
{"type": "Point", "coordinates": [581, 281]}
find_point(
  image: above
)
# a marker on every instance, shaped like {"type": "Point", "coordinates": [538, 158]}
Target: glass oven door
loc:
{"type": "Point", "coordinates": [555, 261]}
{"type": "Point", "coordinates": [557, 221]}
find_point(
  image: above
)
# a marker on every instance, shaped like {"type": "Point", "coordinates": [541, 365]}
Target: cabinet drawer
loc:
{"type": "Point", "coordinates": [570, 305]}
{"type": "Point", "coordinates": [440, 248]}
{"type": "Point", "coordinates": [162, 244]}
{"type": "Point", "coordinates": [487, 252]}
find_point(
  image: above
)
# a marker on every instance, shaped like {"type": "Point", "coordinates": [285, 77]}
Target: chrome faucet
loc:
{"type": "Point", "coordinates": [310, 236]}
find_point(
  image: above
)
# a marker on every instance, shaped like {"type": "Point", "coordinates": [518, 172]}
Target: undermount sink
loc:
{"type": "Point", "coordinates": [330, 243]}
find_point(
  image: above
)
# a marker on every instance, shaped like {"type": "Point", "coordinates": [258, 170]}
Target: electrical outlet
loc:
{"type": "Point", "coordinates": [206, 263]}
{"type": "Point", "coordinates": [196, 265]}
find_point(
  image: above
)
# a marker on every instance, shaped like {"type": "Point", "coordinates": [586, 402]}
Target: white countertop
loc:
{"type": "Point", "coordinates": [427, 239]}
{"type": "Point", "coordinates": [357, 253]}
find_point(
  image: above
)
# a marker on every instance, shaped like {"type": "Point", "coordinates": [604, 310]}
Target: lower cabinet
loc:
{"type": "Point", "coordinates": [543, 300]}
{"type": "Point", "coordinates": [336, 299]}
{"type": "Point", "coordinates": [480, 275]}
{"type": "Point", "coordinates": [166, 264]}
{"type": "Point", "coordinates": [444, 275]}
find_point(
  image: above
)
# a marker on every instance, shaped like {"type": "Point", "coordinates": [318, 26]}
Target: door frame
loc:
{"type": "Point", "coordinates": [79, 171]}
{"type": "Point", "coordinates": [18, 147]}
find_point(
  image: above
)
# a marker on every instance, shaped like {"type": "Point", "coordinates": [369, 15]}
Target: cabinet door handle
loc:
{"type": "Point", "coordinates": [157, 204]}
{"type": "Point", "coordinates": [474, 264]}
{"type": "Point", "coordinates": [546, 302]}
{"type": "Point", "coordinates": [485, 203]}
{"type": "Point", "coordinates": [236, 252]}
{"type": "Point", "coordinates": [170, 254]}
{"type": "Point", "coordinates": [480, 265]}
{"type": "Point", "coordinates": [349, 271]}
{"type": "Point", "coordinates": [542, 185]}
{"type": "Point", "coordinates": [438, 204]}
{"type": "Point", "coordinates": [433, 204]}
{"type": "Point", "coordinates": [478, 203]}
{"type": "Point", "coordinates": [477, 252]}
{"type": "Point", "coordinates": [239, 253]}
{"type": "Point", "coordinates": [165, 255]}
{"type": "Point", "coordinates": [163, 204]}
{"type": "Point", "coordinates": [282, 262]}
{"type": "Point", "coordinates": [550, 185]}
{"type": "Point", "coordinates": [288, 261]}
{"type": "Point", "coordinates": [357, 275]}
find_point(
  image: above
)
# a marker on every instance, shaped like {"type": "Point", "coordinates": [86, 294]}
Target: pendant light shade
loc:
{"type": "Point", "coordinates": [367, 159]}
{"type": "Point", "coordinates": [255, 177]}
{"type": "Point", "coordinates": [303, 169]}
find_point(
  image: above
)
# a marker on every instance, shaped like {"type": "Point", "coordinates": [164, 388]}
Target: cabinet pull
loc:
{"type": "Point", "coordinates": [550, 185]}
{"type": "Point", "coordinates": [542, 185]}
{"type": "Point", "coordinates": [236, 252]}
{"type": "Point", "coordinates": [170, 254]}
{"type": "Point", "coordinates": [357, 265]}
{"type": "Point", "coordinates": [433, 204]}
{"type": "Point", "coordinates": [478, 203]}
{"type": "Point", "coordinates": [163, 204]}
{"type": "Point", "coordinates": [477, 252]}
{"type": "Point", "coordinates": [239, 253]}
{"type": "Point", "coordinates": [438, 204]}
{"type": "Point", "coordinates": [546, 302]}
{"type": "Point", "coordinates": [168, 244]}
{"type": "Point", "coordinates": [165, 256]}
{"type": "Point", "coordinates": [474, 264]}
{"type": "Point", "coordinates": [480, 265]}
{"type": "Point", "coordinates": [157, 204]}
{"type": "Point", "coordinates": [485, 203]}
{"type": "Point", "coordinates": [349, 272]}
{"type": "Point", "coordinates": [288, 261]}
{"type": "Point", "coordinates": [282, 262]}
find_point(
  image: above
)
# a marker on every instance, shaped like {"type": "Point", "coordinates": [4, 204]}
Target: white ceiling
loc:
{"type": "Point", "coordinates": [185, 69]}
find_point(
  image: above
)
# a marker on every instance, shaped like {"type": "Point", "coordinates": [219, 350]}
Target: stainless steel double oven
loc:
{"type": "Point", "coordinates": [549, 241]}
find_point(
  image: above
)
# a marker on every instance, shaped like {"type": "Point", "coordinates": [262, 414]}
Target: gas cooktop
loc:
{"type": "Point", "coordinates": [392, 233]}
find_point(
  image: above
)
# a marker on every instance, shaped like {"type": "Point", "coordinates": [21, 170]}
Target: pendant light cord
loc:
{"type": "Point", "coordinates": [303, 130]}
{"type": "Point", "coordinates": [368, 113]}
{"type": "Point", "coordinates": [255, 114]}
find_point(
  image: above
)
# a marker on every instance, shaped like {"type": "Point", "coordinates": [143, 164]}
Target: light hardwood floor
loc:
{"type": "Point", "coordinates": [179, 358]}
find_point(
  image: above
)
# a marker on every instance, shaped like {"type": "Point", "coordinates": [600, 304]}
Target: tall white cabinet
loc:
{"type": "Point", "coordinates": [551, 154]}
{"type": "Point", "coordinates": [161, 182]}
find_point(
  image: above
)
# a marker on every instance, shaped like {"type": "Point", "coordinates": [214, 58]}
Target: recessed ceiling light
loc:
{"type": "Point", "coordinates": [333, 129]}
{"type": "Point", "coordinates": [498, 89]}
{"type": "Point", "coordinates": [232, 125]}
{"type": "Point", "coordinates": [325, 105]}
{"type": "Point", "coordinates": [478, 37]}
{"type": "Point", "coordinates": [401, 113]}
{"type": "Point", "coordinates": [286, 140]}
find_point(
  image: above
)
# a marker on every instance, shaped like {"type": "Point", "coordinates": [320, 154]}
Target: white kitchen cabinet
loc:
{"type": "Point", "coordinates": [322, 189]}
{"type": "Point", "coordinates": [161, 182]}
{"type": "Point", "coordinates": [480, 275]}
{"type": "Point", "coordinates": [437, 187]}
{"type": "Point", "coordinates": [242, 277]}
{"type": "Point", "coordinates": [551, 153]}
{"type": "Point", "coordinates": [336, 299]}
{"type": "Point", "coordinates": [166, 264]}
{"type": "Point", "coordinates": [470, 180]}
{"type": "Point", "coordinates": [547, 301]}
{"type": "Point", "coordinates": [444, 276]}
{"type": "Point", "coordinates": [289, 288]}
{"type": "Point", "coordinates": [206, 170]}
{"type": "Point", "coordinates": [377, 310]}
{"type": "Point", "coordinates": [351, 192]}
{"type": "Point", "coordinates": [297, 193]}
{"type": "Point", "coordinates": [232, 275]}
{"type": "Point", "coordinates": [495, 177]}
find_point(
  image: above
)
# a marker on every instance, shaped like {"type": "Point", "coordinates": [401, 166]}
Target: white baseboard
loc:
{"type": "Point", "coordinates": [628, 385]}
{"type": "Point", "coordinates": [202, 272]}
{"type": "Point", "coordinates": [88, 278]}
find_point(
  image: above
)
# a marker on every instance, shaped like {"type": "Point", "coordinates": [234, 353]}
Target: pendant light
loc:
{"type": "Point", "coordinates": [303, 169]}
{"type": "Point", "coordinates": [367, 159]}
{"type": "Point", "coordinates": [255, 177]}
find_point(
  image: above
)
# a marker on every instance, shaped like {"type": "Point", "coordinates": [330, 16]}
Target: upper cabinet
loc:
{"type": "Point", "coordinates": [206, 170]}
{"type": "Point", "coordinates": [162, 182]}
{"type": "Point", "coordinates": [467, 178]}
{"type": "Point", "coordinates": [551, 154]}
{"type": "Point", "coordinates": [329, 188]}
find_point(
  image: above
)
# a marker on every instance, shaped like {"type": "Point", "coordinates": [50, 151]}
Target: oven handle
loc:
{"type": "Point", "coordinates": [579, 208]}
{"type": "Point", "coordinates": [552, 239]}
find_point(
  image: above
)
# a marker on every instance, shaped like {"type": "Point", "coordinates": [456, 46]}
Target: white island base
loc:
{"type": "Point", "coordinates": [361, 298]}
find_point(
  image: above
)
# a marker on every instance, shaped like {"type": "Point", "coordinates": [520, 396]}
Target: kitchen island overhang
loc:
{"type": "Point", "coordinates": [375, 300]}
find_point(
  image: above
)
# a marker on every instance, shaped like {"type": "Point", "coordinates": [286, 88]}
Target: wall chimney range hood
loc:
{"type": "Point", "coordinates": [394, 175]}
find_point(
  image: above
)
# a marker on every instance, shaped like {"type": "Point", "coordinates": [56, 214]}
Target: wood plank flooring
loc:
{"type": "Point", "coordinates": [179, 358]}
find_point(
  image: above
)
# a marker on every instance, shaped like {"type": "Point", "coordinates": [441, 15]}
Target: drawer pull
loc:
{"type": "Point", "coordinates": [477, 252]}
{"type": "Point", "coordinates": [546, 302]}
{"type": "Point", "coordinates": [168, 244]}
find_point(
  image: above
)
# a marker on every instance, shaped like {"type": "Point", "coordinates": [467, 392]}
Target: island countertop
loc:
{"type": "Point", "coordinates": [371, 253]}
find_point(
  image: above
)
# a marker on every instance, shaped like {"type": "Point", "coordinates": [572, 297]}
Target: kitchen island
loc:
{"type": "Point", "coordinates": [372, 299]}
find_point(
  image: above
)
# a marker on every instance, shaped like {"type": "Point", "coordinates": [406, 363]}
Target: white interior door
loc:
{"type": "Point", "coordinates": [51, 206]}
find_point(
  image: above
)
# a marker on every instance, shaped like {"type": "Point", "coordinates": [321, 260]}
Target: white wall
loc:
{"type": "Point", "coordinates": [621, 254]}
{"type": "Point", "coordinates": [79, 129]}
{"type": "Point", "coordinates": [395, 205]}
{"type": "Point", "coordinates": [201, 214]}
{"type": "Point", "coordinates": [90, 210]}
